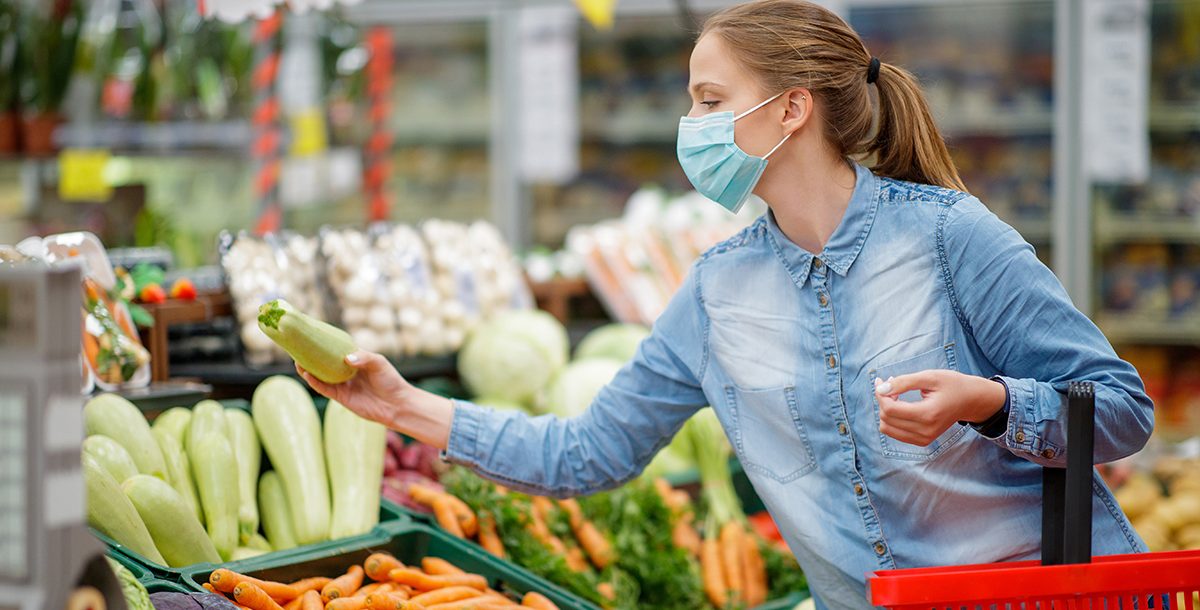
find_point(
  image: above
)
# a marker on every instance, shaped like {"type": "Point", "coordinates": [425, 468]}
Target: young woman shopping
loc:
{"type": "Point", "coordinates": [887, 357]}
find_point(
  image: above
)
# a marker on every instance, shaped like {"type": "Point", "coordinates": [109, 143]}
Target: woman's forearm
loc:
{"type": "Point", "coordinates": [424, 416]}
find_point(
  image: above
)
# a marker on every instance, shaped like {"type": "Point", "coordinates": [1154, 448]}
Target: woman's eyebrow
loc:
{"type": "Point", "coordinates": [704, 84]}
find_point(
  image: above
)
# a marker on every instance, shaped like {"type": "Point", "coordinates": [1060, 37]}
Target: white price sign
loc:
{"type": "Point", "coordinates": [548, 98]}
{"type": "Point", "coordinates": [1116, 82]}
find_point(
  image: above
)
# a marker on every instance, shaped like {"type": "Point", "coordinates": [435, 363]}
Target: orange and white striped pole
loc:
{"type": "Point", "coordinates": [377, 152]}
{"type": "Point", "coordinates": [267, 146]}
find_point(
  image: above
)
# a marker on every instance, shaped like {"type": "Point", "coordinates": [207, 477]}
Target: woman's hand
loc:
{"type": "Point", "coordinates": [947, 397]}
{"type": "Point", "coordinates": [379, 393]}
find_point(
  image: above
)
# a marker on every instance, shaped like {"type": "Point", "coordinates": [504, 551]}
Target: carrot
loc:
{"type": "Point", "coordinates": [357, 602]}
{"type": "Point", "coordinates": [711, 573]}
{"type": "Point", "coordinates": [598, 548]}
{"type": "Point", "coordinates": [344, 585]}
{"type": "Point", "coordinates": [208, 587]}
{"type": "Point", "coordinates": [436, 566]}
{"type": "Point", "coordinates": [449, 594]}
{"type": "Point", "coordinates": [489, 538]}
{"type": "Point", "coordinates": [756, 573]}
{"type": "Point", "coordinates": [422, 494]}
{"type": "Point", "coordinates": [254, 597]}
{"type": "Point", "coordinates": [466, 516]}
{"type": "Point", "coordinates": [731, 560]}
{"type": "Point", "coordinates": [298, 603]}
{"type": "Point", "coordinates": [541, 531]}
{"type": "Point", "coordinates": [311, 600]}
{"type": "Point", "coordinates": [309, 584]}
{"type": "Point", "coordinates": [447, 517]}
{"type": "Point", "coordinates": [606, 590]}
{"type": "Point", "coordinates": [685, 537]}
{"type": "Point", "coordinates": [424, 582]}
{"type": "Point", "coordinates": [226, 581]}
{"type": "Point", "coordinates": [390, 601]}
{"type": "Point", "coordinates": [576, 559]}
{"type": "Point", "coordinates": [478, 603]}
{"type": "Point", "coordinates": [536, 600]}
{"type": "Point", "coordinates": [378, 565]}
{"type": "Point", "coordinates": [574, 513]}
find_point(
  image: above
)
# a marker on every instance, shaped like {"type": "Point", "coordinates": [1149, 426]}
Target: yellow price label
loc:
{"type": "Point", "coordinates": [81, 175]}
{"type": "Point", "coordinates": [598, 12]}
{"type": "Point", "coordinates": [308, 133]}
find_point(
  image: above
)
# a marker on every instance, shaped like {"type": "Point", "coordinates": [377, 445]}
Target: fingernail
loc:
{"type": "Point", "coordinates": [352, 359]}
{"type": "Point", "coordinates": [878, 381]}
{"type": "Point", "coordinates": [884, 388]}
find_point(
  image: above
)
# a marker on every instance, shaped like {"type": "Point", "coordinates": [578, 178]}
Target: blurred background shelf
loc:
{"type": "Point", "coordinates": [1135, 330]}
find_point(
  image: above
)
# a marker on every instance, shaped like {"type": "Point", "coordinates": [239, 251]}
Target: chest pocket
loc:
{"type": "Point", "coordinates": [770, 438]}
{"type": "Point", "coordinates": [940, 358]}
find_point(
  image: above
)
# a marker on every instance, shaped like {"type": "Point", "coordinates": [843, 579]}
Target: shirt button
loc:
{"type": "Point", "coordinates": [858, 490]}
{"type": "Point", "coordinates": [1048, 454]}
{"type": "Point", "coordinates": [823, 300]}
{"type": "Point", "coordinates": [880, 549]}
{"type": "Point", "coordinates": [832, 360]}
{"type": "Point", "coordinates": [1020, 436]}
{"type": "Point", "coordinates": [817, 263]}
{"type": "Point", "coordinates": [842, 429]}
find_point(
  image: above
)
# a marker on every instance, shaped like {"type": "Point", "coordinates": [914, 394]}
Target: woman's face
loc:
{"type": "Point", "coordinates": [717, 83]}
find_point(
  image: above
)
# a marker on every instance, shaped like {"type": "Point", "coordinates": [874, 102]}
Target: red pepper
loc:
{"type": "Point", "coordinates": [765, 526]}
{"type": "Point", "coordinates": [152, 293]}
{"type": "Point", "coordinates": [183, 289]}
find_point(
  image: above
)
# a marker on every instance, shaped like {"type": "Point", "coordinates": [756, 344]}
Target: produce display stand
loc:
{"type": "Point", "coordinates": [162, 586]}
{"type": "Point", "coordinates": [408, 542]}
{"type": "Point", "coordinates": [172, 312]}
{"type": "Point", "coordinates": [1067, 576]}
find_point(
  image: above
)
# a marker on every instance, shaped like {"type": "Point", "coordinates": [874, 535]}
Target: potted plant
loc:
{"type": "Point", "coordinates": [48, 38]}
{"type": "Point", "coordinates": [10, 125]}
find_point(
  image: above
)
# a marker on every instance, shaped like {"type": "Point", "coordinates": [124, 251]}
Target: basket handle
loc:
{"type": "Point", "coordinates": [1067, 494]}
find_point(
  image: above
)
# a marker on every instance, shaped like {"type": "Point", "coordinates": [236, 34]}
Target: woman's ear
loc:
{"type": "Point", "coordinates": [799, 107]}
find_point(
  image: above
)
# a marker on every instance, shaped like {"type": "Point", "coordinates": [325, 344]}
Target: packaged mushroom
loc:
{"type": "Point", "coordinates": [424, 320]}
{"type": "Point", "coordinates": [259, 270]}
{"type": "Point", "coordinates": [363, 292]}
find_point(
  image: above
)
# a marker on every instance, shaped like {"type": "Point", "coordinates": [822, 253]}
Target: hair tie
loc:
{"type": "Point", "coordinates": [873, 71]}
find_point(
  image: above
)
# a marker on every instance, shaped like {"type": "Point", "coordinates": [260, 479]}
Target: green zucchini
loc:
{"type": "Point", "coordinates": [175, 421]}
{"type": "Point", "coordinates": [179, 469]}
{"type": "Point", "coordinates": [112, 514]}
{"type": "Point", "coordinates": [118, 419]}
{"type": "Point", "coordinates": [115, 459]}
{"type": "Point", "coordinates": [319, 347]}
{"type": "Point", "coordinates": [244, 439]}
{"type": "Point", "coordinates": [276, 515]}
{"type": "Point", "coordinates": [290, 432]}
{"type": "Point", "coordinates": [176, 532]}
{"type": "Point", "coordinates": [208, 417]}
{"type": "Point", "coordinates": [354, 450]}
{"type": "Point", "coordinates": [214, 466]}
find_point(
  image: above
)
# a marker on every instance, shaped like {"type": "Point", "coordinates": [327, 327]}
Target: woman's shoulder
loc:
{"type": "Point", "coordinates": [893, 191]}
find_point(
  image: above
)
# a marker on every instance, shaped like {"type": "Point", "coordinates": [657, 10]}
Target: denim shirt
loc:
{"type": "Point", "coordinates": [784, 346]}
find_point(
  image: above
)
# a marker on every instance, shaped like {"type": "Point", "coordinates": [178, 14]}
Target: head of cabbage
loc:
{"type": "Point", "coordinates": [616, 341]}
{"type": "Point", "coordinates": [574, 389]}
{"type": "Point", "coordinates": [513, 356]}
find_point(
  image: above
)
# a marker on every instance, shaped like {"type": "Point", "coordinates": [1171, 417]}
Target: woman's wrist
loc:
{"type": "Point", "coordinates": [425, 416]}
{"type": "Point", "coordinates": [990, 398]}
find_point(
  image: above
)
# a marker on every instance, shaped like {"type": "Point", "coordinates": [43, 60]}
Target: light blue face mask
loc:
{"type": "Point", "coordinates": [713, 162]}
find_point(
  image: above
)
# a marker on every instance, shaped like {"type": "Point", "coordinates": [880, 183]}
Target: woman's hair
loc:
{"type": "Point", "coordinates": [795, 43]}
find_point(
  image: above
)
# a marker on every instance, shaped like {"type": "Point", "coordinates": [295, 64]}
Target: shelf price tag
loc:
{"type": "Point", "coordinates": [81, 175]}
{"type": "Point", "coordinates": [1116, 90]}
{"type": "Point", "coordinates": [308, 133]}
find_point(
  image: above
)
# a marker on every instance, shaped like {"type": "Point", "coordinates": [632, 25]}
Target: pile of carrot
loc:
{"type": "Point", "coordinates": [382, 582]}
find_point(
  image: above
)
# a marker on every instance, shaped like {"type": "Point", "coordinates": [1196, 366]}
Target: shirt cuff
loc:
{"type": "Point", "coordinates": [462, 447]}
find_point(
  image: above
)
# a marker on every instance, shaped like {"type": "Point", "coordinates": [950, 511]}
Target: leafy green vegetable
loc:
{"type": "Point", "coordinates": [784, 575]}
{"type": "Point", "coordinates": [136, 597]}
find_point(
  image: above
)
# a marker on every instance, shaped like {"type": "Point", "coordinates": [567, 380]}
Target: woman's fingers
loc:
{"type": "Point", "coordinates": [923, 381]}
{"type": "Point", "coordinates": [319, 386]}
{"type": "Point", "coordinates": [906, 436]}
{"type": "Point", "coordinates": [367, 361]}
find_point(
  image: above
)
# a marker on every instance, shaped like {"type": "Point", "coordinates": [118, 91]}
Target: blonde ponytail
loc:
{"type": "Point", "coordinates": [795, 43]}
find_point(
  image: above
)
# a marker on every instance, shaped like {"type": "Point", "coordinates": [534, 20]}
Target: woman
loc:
{"type": "Point", "coordinates": [887, 357]}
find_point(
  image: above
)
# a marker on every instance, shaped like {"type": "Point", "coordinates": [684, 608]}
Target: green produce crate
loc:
{"type": "Point", "coordinates": [407, 542]}
{"type": "Point", "coordinates": [162, 586]}
{"type": "Point", "coordinates": [140, 573]}
{"type": "Point", "coordinates": [126, 555]}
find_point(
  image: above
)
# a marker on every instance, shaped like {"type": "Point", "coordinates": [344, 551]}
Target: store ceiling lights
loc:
{"type": "Point", "coordinates": [234, 11]}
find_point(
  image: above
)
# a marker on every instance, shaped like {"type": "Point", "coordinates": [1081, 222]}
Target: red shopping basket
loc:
{"type": "Point", "coordinates": [1067, 577]}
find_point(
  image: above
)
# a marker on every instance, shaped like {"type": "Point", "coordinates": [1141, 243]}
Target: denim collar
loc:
{"type": "Point", "coordinates": [845, 243]}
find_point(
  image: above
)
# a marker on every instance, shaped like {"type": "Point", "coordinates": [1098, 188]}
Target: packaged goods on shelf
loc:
{"type": "Point", "coordinates": [261, 269]}
{"type": "Point", "coordinates": [636, 263]}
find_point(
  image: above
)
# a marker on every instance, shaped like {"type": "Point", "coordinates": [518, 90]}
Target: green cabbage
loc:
{"type": "Point", "coordinates": [616, 341]}
{"type": "Point", "coordinates": [513, 356]}
{"type": "Point", "coordinates": [577, 385]}
{"type": "Point", "coordinates": [500, 404]}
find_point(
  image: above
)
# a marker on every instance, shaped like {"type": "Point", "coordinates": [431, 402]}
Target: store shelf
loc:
{"type": "Point", "coordinates": [238, 373]}
{"type": "Point", "coordinates": [163, 395]}
{"type": "Point", "coordinates": [157, 137]}
{"type": "Point", "coordinates": [1034, 231]}
{"type": "Point", "coordinates": [1117, 229]}
{"type": "Point", "coordinates": [1175, 117]}
{"type": "Point", "coordinates": [1136, 330]}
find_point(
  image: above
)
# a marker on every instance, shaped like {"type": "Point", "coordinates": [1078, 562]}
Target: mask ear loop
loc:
{"type": "Point", "coordinates": [785, 139]}
{"type": "Point", "coordinates": [760, 105]}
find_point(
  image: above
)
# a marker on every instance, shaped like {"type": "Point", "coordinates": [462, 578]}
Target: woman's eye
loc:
{"type": "Point", "coordinates": [710, 104]}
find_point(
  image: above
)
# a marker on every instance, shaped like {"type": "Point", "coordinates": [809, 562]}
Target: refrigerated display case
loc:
{"type": "Point", "coordinates": [1146, 235]}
